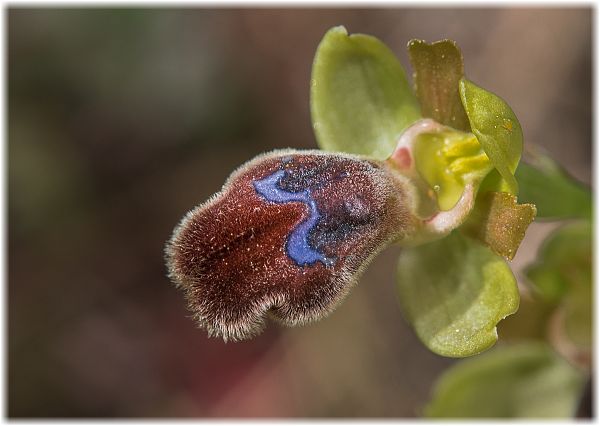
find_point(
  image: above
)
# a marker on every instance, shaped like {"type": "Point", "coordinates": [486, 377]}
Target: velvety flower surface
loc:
{"type": "Point", "coordinates": [288, 235]}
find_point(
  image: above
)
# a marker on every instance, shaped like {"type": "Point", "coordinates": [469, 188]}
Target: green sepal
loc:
{"type": "Point", "coordinates": [360, 98]}
{"type": "Point", "coordinates": [453, 292]}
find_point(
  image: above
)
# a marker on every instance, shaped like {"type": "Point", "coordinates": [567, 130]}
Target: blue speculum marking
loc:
{"type": "Point", "coordinates": [297, 246]}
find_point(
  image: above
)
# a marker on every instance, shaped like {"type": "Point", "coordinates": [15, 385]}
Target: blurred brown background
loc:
{"type": "Point", "coordinates": [122, 120]}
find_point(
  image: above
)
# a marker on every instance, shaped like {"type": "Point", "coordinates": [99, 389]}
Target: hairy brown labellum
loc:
{"type": "Point", "coordinates": [288, 235]}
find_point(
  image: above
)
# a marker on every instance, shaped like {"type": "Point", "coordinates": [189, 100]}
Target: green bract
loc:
{"type": "Point", "coordinates": [528, 380]}
{"type": "Point", "coordinates": [454, 291]}
{"type": "Point", "coordinates": [360, 98]}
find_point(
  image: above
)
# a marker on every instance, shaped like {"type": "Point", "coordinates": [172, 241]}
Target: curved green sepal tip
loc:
{"type": "Point", "coordinates": [496, 127]}
{"type": "Point", "coordinates": [526, 380]}
{"type": "Point", "coordinates": [530, 322]}
{"type": "Point", "coordinates": [359, 96]}
{"type": "Point", "coordinates": [453, 292]}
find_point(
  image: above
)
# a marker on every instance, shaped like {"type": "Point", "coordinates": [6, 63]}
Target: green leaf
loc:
{"type": "Point", "coordinates": [563, 275]}
{"type": "Point", "coordinates": [499, 222]}
{"type": "Point", "coordinates": [360, 98]}
{"type": "Point", "coordinates": [497, 129]}
{"type": "Point", "coordinates": [438, 67]}
{"type": "Point", "coordinates": [528, 380]}
{"type": "Point", "coordinates": [454, 291]}
{"type": "Point", "coordinates": [555, 194]}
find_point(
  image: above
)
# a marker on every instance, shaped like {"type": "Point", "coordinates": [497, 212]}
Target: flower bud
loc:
{"type": "Point", "coordinates": [288, 235]}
